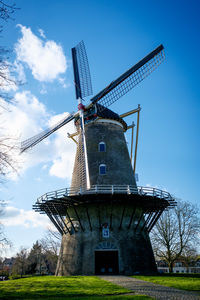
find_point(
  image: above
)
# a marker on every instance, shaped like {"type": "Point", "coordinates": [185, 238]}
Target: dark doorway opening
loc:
{"type": "Point", "coordinates": [106, 262]}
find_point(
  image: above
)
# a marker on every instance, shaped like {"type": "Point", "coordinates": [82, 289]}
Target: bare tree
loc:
{"type": "Point", "coordinates": [176, 233]}
{"type": "Point", "coordinates": [52, 241]}
{"type": "Point", "coordinates": [189, 257]}
{"type": "Point", "coordinates": [42, 258]}
{"type": "Point", "coordinates": [51, 246]}
{"type": "Point", "coordinates": [8, 162]}
{"type": "Point", "coordinates": [4, 241]}
{"type": "Point", "coordinates": [7, 144]}
{"type": "Point", "coordinates": [6, 79]}
{"type": "Point", "coordinates": [20, 264]}
{"type": "Point", "coordinates": [35, 259]}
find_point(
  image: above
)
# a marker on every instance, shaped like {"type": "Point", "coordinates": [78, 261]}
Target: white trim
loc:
{"type": "Point", "coordinates": [102, 143]}
{"type": "Point", "coordinates": [102, 165]}
{"type": "Point", "coordinates": [106, 246]}
{"type": "Point", "coordinates": [106, 250]}
{"type": "Point", "coordinates": [109, 121]}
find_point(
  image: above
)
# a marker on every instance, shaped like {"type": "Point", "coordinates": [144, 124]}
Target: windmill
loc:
{"type": "Point", "coordinates": [104, 217]}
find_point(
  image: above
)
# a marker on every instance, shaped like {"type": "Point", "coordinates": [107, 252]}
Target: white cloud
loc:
{"type": "Point", "coordinates": [28, 218]}
{"type": "Point", "coordinates": [43, 90]}
{"type": "Point", "coordinates": [63, 82]}
{"type": "Point", "coordinates": [41, 32]}
{"type": "Point", "coordinates": [27, 116]}
{"type": "Point", "coordinates": [19, 71]}
{"type": "Point", "coordinates": [45, 59]}
{"type": "Point", "coordinates": [65, 148]}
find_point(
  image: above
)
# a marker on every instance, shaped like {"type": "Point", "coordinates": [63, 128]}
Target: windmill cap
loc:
{"type": "Point", "coordinates": [105, 113]}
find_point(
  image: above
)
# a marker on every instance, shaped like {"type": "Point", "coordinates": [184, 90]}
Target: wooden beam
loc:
{"type": "Point", "coordinates": [71, 137]}
{"type": "Point", "coordinates": [70, 220]}
{"type": "Point", "coordinates": [131, 219]}
{"type": "Point", "coordinates": [54, 222]}
{"type": "Point", "coordinates": [139, 220]}
{"type": "Point", "coordinates": [132, 131]}
{"type": "Point", "coordinates": [136, 142]}
{"type": "Point", "coordinates": [122, 216]}
{"type": "Point", "coordinates": [99, 217]}
{"type": "Point", "coordinates": [111, 214]}
{"type": "Point", "coordinates": [61, 218]}
{"type": "Point", "coordinates": [146, 221]}
{"type": "Point", "coordinates": [89, 219]}
{"type": "Point", "coordinates": [156, 217]}
{"type": "Point", "coordinates": [130, 112]}
{"type": "Point", "coordinates": [78, 218]}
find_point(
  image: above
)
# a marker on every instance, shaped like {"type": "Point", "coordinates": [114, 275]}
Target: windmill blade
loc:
{"type": "Point", "coordinates": [123, 84]}
{"type": "Point", "coordinates": [82, 78]}
{"type": "Point", "coordinates": [29, 143]}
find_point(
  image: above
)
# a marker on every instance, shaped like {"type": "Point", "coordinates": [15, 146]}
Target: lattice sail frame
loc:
{"type": "Point", "coordinates": [79, 172]}
{"type": "Point", "coordinates": [29, 143]}
{"type": "Point", "coordinates": [131, 78]}
{"type": "Point", "coordinates": [82, 77]}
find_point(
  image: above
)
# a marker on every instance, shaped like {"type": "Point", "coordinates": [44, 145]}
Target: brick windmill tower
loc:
{"type": "Point", "coordinates": [104, 217]}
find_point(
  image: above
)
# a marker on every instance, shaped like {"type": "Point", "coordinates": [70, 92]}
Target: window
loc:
{"type": "Point", "coordinates": [105, 231]}
{"type": "Point", "coordinates": [102, 147]}
{"type": "Point", "coordinates": [102, 169]}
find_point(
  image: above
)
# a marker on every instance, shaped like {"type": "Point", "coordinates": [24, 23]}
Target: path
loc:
{"type": "Point", "coordinates": [157, 291]}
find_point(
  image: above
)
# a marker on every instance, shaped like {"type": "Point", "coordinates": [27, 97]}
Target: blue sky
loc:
{"type": "Point", "coordinates": [117, 34]}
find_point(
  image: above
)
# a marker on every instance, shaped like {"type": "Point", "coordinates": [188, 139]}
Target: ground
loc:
{"type": "Point", "coordinates": [58, 288]}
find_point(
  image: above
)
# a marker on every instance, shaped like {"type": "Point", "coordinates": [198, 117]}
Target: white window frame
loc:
{"type": "Point", "coordinates": [102, 143]}
{"type": "Point", "coordinates": [102, 165]}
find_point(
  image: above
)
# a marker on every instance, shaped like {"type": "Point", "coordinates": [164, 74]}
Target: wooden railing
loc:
{"type": "Point", "coordinates": [106, 189]}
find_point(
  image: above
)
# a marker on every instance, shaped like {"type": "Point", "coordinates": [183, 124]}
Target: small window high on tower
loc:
{"type": "Point", "coordinates": [102, 169]}
{"type": "Point", "coordinates": [102, 147]}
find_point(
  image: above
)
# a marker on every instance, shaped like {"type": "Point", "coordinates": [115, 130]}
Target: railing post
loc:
{"type": "Point", "coordinates": [112, 189]}
{"type": "Point", "coordinates": [96, 188]}
{"type": "Point", "coordinates": [128, 190]}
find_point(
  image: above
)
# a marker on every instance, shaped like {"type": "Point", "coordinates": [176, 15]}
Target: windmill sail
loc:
{"type": "Point", "coordinates": [83, 88]}
{"type": "Point", "coordinates": [29, 143]}
{"type": "Point", "coordinates": [82, 78]}
{"type": "Point", "coordinates": [79, 176]}
{"type": "Point", "coordinates": [123, 84]}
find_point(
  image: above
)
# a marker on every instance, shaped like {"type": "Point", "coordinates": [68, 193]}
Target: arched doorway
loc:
{"type": "Point", "coordinates": [106, 259]}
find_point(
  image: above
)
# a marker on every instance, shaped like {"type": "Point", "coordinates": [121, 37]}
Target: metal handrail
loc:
{"type": "Point", "coordinates": [106, 189]}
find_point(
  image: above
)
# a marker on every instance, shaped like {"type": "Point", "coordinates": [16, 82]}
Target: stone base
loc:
{"type": "Point", "coordinates": [87, 251]}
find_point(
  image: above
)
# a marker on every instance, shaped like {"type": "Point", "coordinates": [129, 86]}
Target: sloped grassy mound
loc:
{"type": "Point", "coordinates": [187, 282]}
{"type": "Point", "coordinates": [57, 288]}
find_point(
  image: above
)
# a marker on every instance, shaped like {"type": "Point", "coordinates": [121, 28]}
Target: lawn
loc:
{"type": "Point", "coordinates": [188, 282]}
{"type": "Point", "coordinates": [58, 288]}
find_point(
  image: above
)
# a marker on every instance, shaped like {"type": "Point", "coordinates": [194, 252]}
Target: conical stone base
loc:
{"type": "Point", "coordinates": [126, 250]}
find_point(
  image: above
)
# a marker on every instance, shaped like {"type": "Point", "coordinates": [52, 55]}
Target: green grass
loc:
{"type": "Point", "coordinates": [188, 282]}
{"type": "Point", "coordinates": [58, 288]}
